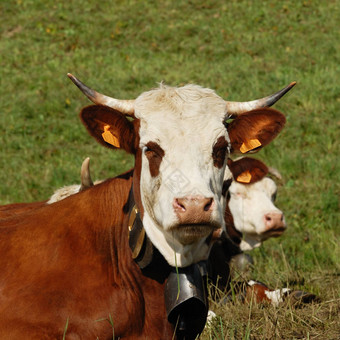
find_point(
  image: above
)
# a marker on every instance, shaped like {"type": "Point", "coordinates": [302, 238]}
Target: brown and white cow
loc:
{"type": "Point", "coordinates": [227, 254]}
{"type": "Point", "coordinates": [69, 267]}
{"type": "Point", "coordinates": [251, 203]}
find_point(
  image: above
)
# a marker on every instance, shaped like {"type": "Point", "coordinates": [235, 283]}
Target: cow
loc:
{"type": "Point", "coordinates": [227, 253]}
{"type": "Point", "coordinates": [251, 202]}
{"type": "Point", "coordinates": [247, 178]}
{"type": "Point", "coordinates": [128, 256]}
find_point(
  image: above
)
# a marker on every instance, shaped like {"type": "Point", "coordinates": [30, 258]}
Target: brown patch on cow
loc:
{"type": "Point", "coordinates": [226, 186]}
{"type": "Point", "coordinates": [98, 119]}
{"type": "Point", "coordinates": [219, 153]}
{"type": "Point", "coordinates": [232, 232]}
{"type": "Point", "coordinates": [252, 166]}
{"type": "Point", "coordinates": [261, 124]}
{"type": "Point", "coordinates": [154, 153]}
{"type": "Point", "coordinates": [257, 292]}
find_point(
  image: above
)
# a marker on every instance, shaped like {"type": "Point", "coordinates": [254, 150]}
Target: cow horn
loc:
{"type": "Point", "coordinates": [274, 172]}
{"type": "Point", "coordinates": [85, 175]}
{"type": "Point", "coordinates": [236, 108]}
{"type": "Point", "coordinates": [126, 107]}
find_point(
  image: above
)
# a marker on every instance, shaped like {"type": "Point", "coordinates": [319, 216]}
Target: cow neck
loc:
{"type": "Point", "coordinates": [180, 302]}
{"type": "Point", "coordinates": [144, 253]}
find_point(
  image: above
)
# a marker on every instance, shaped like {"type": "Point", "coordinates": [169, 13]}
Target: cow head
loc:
{"type": "Point", "coordinates": [181, 141]}
{"type": "Point", "coordinates": [251, 203]}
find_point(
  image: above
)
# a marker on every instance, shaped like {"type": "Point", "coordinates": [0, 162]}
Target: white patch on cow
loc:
{"type": "Point", "coordinates": [67, 191]}
{"type": "Point", "coordinates": [211, 316]}
{"type": "Point", "coordinates": [248, 205]}
{"type": "Point", "coordinates": [276, 296]}
{"type": "Point", "coordinates": [193, 121]}
{"type": "Point", "coordinates": [252, 282]}
{"type": "Point", "coordinates": [64, 192]}
{"type": "Point", "coordinates": [249, 242]}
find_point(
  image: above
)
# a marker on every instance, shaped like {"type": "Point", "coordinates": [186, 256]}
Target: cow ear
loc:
{"type": "Point", "coordinates": [110, 127]}
{"type": "Point", "coordinates": [252, 130]}
{"type": "Point", "coordinates": [247, 170]}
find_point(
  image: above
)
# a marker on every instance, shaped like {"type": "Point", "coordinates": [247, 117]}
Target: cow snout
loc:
{"type": "Point", "coordinates": [193, 209]}
{"type": "Point", "coordinates": [274, 221]}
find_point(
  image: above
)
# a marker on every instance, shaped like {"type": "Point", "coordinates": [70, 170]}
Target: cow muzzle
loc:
{"type": "Point", "coordinates": [194, 209]}
{"type": "Point", "coordinates": [195, 220]}
{"type": "Point", "coordinates": [274, 223]}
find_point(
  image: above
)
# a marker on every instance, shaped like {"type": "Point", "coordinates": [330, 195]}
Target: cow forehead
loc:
{"type": "Point", "coordinates": [168, 111]}
{"type": "Point", "coordinates": [268, 185]}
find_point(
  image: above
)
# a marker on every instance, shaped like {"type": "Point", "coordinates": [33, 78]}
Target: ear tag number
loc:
{"type": "Point", "coordinates": [244, 177]}
{"type": "Point", "coordinates": [109, 137]}
{"type": "Point", "coordinates": [250, 145]}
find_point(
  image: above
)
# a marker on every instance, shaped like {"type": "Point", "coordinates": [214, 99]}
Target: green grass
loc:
{"type": "Point", "coordinates": [242, 49]}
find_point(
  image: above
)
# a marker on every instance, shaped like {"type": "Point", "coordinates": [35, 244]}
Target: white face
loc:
{"type": "Point", "coordinates": [180, 185]}
{"type": "Point", "coordinates": [254, 212]}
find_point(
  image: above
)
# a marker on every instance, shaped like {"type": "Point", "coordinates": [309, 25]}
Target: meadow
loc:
{"type": "Point", "coordinates": [242, 49]}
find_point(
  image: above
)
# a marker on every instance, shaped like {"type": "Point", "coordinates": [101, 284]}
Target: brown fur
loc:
{"type": "Point", "coordinates": [154, 154]}
{"type": "Point", "coordinates": [10, 210]}
{"type": "Point", "coordinates": [95, 117]}
{"type": "Point", "coordinates": [220, 150]}
{"type": "Point", "coordinates": [232, 232]}
{"type": "Point", "coordinates": [256, 168]}
{"type": "Point", "coordinates": [71, 261]}
{"type": "Point", "coordinates": [262, 124]}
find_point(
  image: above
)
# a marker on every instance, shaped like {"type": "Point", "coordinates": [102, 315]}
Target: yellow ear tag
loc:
{"type": "Point", "coordinates": [245, 177]}
{"type": "Point", "coordinates": [109, 137]}
{"type": "Point", "coordinates": [250, 145]}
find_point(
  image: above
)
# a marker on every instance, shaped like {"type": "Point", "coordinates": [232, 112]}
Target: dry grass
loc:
{"type": "Point", "coordinates": [290, 320]}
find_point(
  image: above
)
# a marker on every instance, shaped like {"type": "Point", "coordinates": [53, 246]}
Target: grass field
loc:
{"type": "Point", "coordinates": [243, 50]}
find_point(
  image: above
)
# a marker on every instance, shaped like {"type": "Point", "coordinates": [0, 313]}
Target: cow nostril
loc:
{"type": "Point", "coordinates": [268, 218]}
{"type": "Point", "coordinates": [208, 205]}
{"type": "Point", "coordinates": [180, 204]}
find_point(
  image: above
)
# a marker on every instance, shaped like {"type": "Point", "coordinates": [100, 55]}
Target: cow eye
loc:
{"type": "Point", "coordinates": [154, 153]}
{"type": "Point", "coordinates": [147, 149]}
{"type": "Point", "coordinates": [150, 153]}
{"type": "Point", "coordinates": [274, 197]}
{"type": "Point", "coordinates": [152, 150]}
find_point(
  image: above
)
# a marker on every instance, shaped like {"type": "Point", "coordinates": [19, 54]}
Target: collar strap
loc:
{"type": "Point", "coordinates": [140, 244]}
{"type": "Point", "coordinates": [136, 232]}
